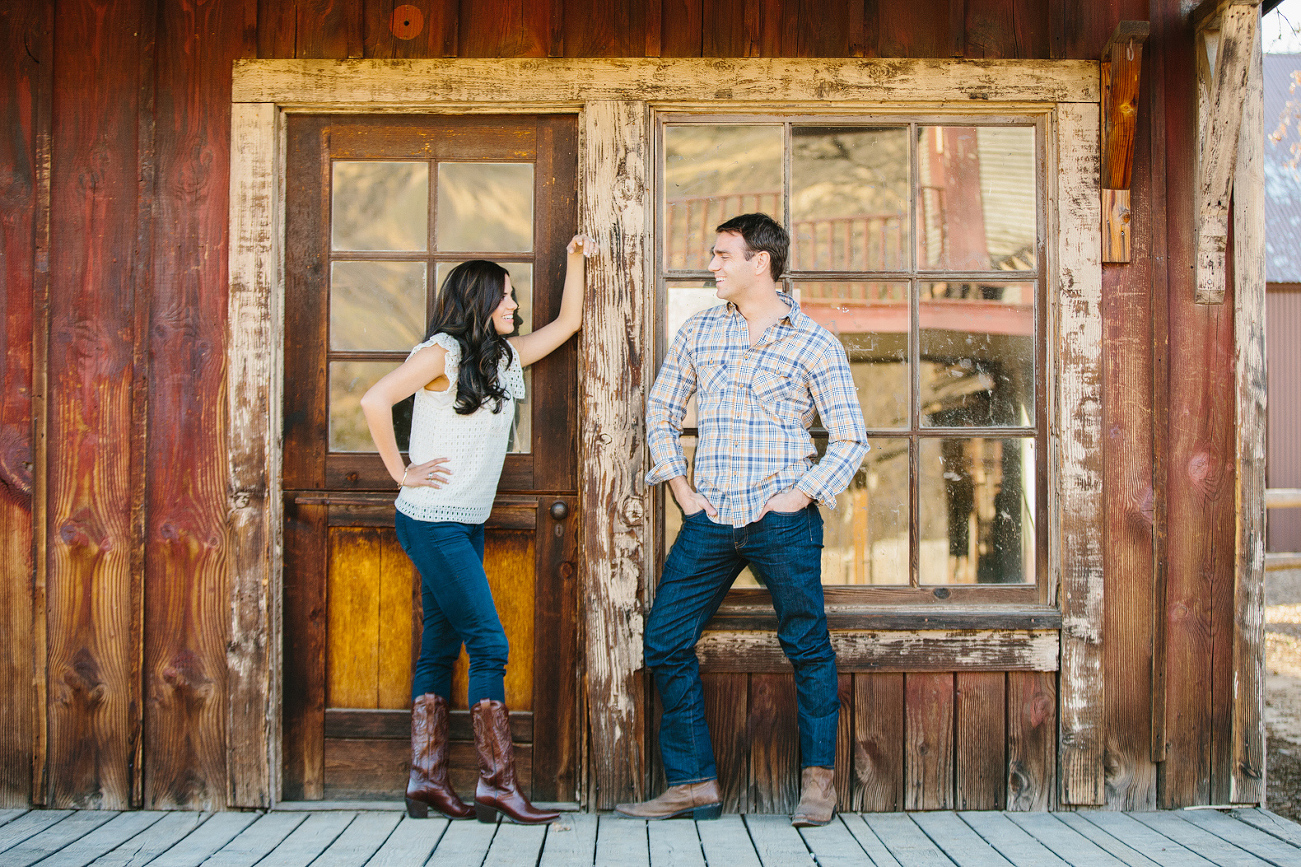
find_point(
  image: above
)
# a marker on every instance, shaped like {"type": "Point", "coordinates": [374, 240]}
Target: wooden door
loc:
{"type": "Point", "coordinates": [378, 209]}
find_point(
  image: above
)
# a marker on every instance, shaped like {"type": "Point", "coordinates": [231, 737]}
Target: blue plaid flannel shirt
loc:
{"type": "Point", "coordinates": [755, 405]}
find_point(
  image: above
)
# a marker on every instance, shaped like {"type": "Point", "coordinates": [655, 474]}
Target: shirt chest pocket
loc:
{"type": "Point", "coordinates": [711, 375]}
{"type": "Point", "coordinates": [774, 392]}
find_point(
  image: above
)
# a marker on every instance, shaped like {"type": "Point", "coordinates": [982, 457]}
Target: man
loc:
{"type": "Point", "coordinates": [760, 369]}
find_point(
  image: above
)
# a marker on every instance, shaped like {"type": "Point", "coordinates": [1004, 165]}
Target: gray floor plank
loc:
{"type": "Point", "coordinates": [622, 842]}
{"type": "Point", "coordinates": [196, 846]}
{"type": "Point", "coordinates": [1214, 849]}
{"type": "Point", "coordinates": [1065, 842]}
{"type": "Point", "coordinates": [726, 841]}
{"type": "Point", "coordinates": [570, 841]}
{"type": "Point", "coordinates": [411, 843]}
{"type": "Point", "coordinates": [309, 839]}
{"type": "Point", "coordinates": [675, 843]}
{"type": "Point", "coordinates": [31, 823]}
{"type": "Point", "coordinates": [1076, 822]}
{"type": "Point", "coordinates": [515, 845]}
{"type": "Point", "coordinates": [7, 816]}
{"type": "Point", "coordinates": [1010, 840]}
{"type": "Point", "coordinates": [106, 837]}
{"type": "Point", "coordinates": [866, 837]}
{"type": "Point", "coordinates": [254, 842]}
{"type": "Point", "coordinates": [1271, 823]}
{"type": "Point", "coordinates": [58, 836]}
{"type": "Point", "coordinates": [907, 843]}
{"type": "Point", "coordinates": [1244, 836]}
{"type": "Point", "coordinates": [776, 843]}
{"type": "Point", "coordinates": [153, 841]}
{"type": "Point", "coordinates": [1136, 835]}
{"type": "Point", "coordinates": [964, 846]}
{"type": "Point", "coordinates": [834, 846]}
{"type": "Point", "coordinates": [464, 843]}
{"type": "Point", "coordinates": [359, 841]}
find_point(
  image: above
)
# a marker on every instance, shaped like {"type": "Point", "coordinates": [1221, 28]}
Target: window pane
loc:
{"type": "Point", "coordinates": [349, 380]}
{"type": "Point", "coordinates": [673, 514]}
{"type": "Point", "coordinates": [711, 174]}
{"type": "Point", "coordinates": [379, 206]}
{"type": "Point", "coordinates": [376, 305]}
{"type": "Point", "coordinates": [849, 198]}
{"type": "Point", "coordinates": [865, 538]}
{"type": "Point", "coordinates": [871, 320]}
{"type": "Point", "coordinates": [977, 198]}
{"type": "Point", "coordinates": [977, 351]}
{"type": "Point", "coordinates": [485, 207]}
{"type": "Point", "coordinates": [977, 511]}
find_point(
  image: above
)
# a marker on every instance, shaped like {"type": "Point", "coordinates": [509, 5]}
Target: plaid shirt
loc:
{"type": "Point", "coordinates": [755, 407]}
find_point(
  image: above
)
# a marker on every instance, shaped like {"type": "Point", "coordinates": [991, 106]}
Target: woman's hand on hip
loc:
{"type": "Point", "coordinates": [430, 474]}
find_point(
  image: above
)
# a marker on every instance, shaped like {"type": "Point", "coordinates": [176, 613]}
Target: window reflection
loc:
{"type": "Point", "coordinates": [485, 207]}
{"type": "Point", "coordinates": [376, 305]}
{"type": "Point", "coordinates": [349, 380]}
{"type": "Point", "coordinates": [865, 539]}
{"type": "Point", "coordinates": [379, 206]}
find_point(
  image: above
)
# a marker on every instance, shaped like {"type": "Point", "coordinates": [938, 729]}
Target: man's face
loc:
{"type": "Point", "coordinates": [733, 273]}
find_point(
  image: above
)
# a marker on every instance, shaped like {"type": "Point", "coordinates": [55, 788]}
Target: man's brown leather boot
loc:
{"type": "Point", "coordinates": [694, 800]}
{"type": "Point", "coordinates": [428, 785]}
{"type": "Point", "coordinates": [817, 798]}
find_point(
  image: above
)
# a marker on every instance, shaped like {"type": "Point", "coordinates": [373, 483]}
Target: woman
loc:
{"type": "Point", "coordinates": [466, 376]}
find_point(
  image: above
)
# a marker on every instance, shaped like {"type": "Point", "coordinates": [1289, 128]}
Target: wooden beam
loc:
{"type": "Point", "coordinates": [1224, 48]}
{"type": "Point", "coordinates": [1122, 62]}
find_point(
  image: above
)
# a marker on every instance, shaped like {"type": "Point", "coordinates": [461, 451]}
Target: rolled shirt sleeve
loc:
{"type": "Point", "coordinates": [665, 408]}
{"type": "Point", "coordinates": [836, 398]}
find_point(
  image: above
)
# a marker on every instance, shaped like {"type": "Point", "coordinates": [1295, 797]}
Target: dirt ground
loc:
{"type": "Point", "coordinates": [1283, 692]}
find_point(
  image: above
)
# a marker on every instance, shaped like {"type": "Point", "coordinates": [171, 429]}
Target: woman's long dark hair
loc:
{"type": "Point", "coordinates": [470, 294]}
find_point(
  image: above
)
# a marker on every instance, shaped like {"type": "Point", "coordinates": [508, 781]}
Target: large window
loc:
{"type": "Point", "coordinates": [919, 242]}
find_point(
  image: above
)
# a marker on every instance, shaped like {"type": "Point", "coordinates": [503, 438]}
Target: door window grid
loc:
{"type": "Point", "coordinates": [953, 491]}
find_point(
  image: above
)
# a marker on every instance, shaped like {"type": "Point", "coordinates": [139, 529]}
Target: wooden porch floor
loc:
{"type": "Point", "coordinates": [287, 838]}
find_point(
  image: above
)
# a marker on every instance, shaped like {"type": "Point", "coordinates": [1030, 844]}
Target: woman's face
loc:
{"type": "Point", "coordinates": [503, 318]}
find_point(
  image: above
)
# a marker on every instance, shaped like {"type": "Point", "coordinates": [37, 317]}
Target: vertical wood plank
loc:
{"type": "Point", "coordinates": [821, 28]}
{"type": "Point", "coordinates": [1007, 28]}
{"type": "Point", "coordinates": [304, 652]}
{"type": "Point", "coordinates": [1246, 774]}
{"type": "Point", "coordinates": [727, 707]}
{"type": "Point", "coordinates": [1077, 450]}
{"type": "Point", "coordinates": [506, 28]}
{"type": "Point", "coordinates": [980, 767]}
{"type": "Point", "coordinates": [724, 28]}
{"type": "Point", "coordinates": [878, 743]}
{"type": "Point", "coordinates": [909, 29]}
{"type": "Point", "coordinates": [844, 778]}
{"type": "Point", "coordinates": [398, 610]}
{"type": "Point", "coordinates": [1031, 740]}
{"type": "Point", "coordinates": [773, 732]}
{"type": "Point", "coordinates": [595, 28]}
{"type": "Point", "coordinates": [253, 408]}
{"type": "Point", "coordinates": [93, 219]}
{"type": "Point", "coordinates": [187, 588]}
{"type": "Point", "coordinates": [928, 741]}
{"type": "Point", "coordinates": [556, 643]}
{"type": "Point", "coordinates": [328, 29]}
{"type": "Point", "coordinates": [352, 618]}
{"type": "Point", "coordinates": [21, 83]}
{"type": "Point", "coordinates": [386, 36]}
{"type": "Point", "coordinates": [615, 207]}
{"type": "Point", "coordinates": [277, 23]}
{"type": "Point", "coordinates": [681, 26]}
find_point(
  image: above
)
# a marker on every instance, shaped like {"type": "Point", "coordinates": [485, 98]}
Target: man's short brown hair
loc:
{"type": "Point", "coordinates": [761, 233]}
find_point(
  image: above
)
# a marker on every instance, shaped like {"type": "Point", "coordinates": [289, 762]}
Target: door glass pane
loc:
{"type": "Point", "coordinates": [379, 206]}
{"type": "Point", "coordinates": [349, 380]}
{"type": "Point", "coordinates": [871, 320]}
{"type": "Point", "coordinates": [376, 305]}
{"type": "Point", "coordinates": [849, 198]}
{"type": "Point", "coordinates": [485, 207]}
{"type": "Point", "coordinates": [977, 511]}
{"type": "Point", "coordinates": [865, 538]}
{"type": "Point", "coordinates": [711, 174]}
{"type": "Point", "coordinates": [977, 351]}
{"type": "Point", "coordinates": [976, 198]}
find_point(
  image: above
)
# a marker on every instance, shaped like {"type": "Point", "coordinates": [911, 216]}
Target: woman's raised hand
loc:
{"type": "Point", "coordinates": [430, 474]}
{"type": "Point", "coordinates": [581, 243]}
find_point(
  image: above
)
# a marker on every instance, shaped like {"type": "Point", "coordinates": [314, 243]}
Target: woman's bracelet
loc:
{"type": "Point", "coordinates": [403, 483]}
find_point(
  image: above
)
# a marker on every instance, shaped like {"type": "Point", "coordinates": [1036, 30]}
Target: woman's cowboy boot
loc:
{"type": "Point", "coordinates": [428, 786]}
{"type": "Point", "coordinates": [497, 789]}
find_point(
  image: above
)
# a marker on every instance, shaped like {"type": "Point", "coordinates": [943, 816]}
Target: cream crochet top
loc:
{"type": "Point", "coordinates": [474, 444]}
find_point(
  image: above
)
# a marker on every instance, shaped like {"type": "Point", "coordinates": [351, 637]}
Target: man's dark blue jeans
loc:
{"type": "Point", "coordinates": [785, 550]}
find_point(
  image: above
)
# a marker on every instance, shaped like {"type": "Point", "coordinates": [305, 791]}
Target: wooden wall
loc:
{"type": "Point", "coordinates": [113, 180]}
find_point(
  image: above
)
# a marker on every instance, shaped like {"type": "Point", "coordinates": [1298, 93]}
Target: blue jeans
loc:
{"type": "Point", "coordinates": [457, 607]}
{"type": "Point", "coordinates": [785, 549]}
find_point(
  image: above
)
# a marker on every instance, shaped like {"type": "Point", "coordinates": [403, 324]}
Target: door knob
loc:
{"type": "Point", "coordinates": [560, 510]}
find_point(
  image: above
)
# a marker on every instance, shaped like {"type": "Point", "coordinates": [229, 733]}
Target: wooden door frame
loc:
{"type": "Point", "coordinates": [615, 100]}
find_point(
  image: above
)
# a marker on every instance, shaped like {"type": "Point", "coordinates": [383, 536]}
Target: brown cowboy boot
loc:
{"type": "Point", "coordinates": [694, 800]}
{"type": "Point", "coordinates": [497, 789]}
{"type": "Point", "coordinates": [817, 798]}
{"type": "Point", "coordinates": [428, 786]}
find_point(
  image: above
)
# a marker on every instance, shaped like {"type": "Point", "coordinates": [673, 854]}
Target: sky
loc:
{"type": "Point", "coordinates": [1279, 29]}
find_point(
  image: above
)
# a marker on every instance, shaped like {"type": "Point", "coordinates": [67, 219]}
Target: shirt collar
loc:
{"type": "Point", "coordinates": [794, 316]}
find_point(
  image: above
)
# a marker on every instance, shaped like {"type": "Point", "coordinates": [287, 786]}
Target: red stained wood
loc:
{"type": "Point", "coordinates": [980, 766]}
{"type": "Point", "coordinates": [726, 710]}
{"type": "Point", "coordinates": [555, 652]}
{"type": "Point", "coordinates": [878, 743]}
{"type": "Point", "coordinates": [277, 23]}
{"type": "Point", "coordinates": [1031, 740]}
{"type": "Point", "coordinates": [391, 29]}
{"type": "Point", "coordinates": [681, 27]}
{"type": "Point", "coordinates": [24, 28]}
{"type": "Point", "coordinates": [187, 591]}
{"type": "Point", "coordinates": [330, 29]}
{"type": "Point", "coordinates": [726, 29]}
{"type": "Point", "coordinates": [1006, 28]}
{"type": "Point", "coordinates": [774, 744]}
{"type": "Point", "coordinates": [92, 239]}
{"type": "Point", "coordinates": [304, 652]}
{"type": "Point", "coordinates": [596, 28]}
{"type": "Point", "coordinates": [928, 741]}
{"type": "Point", "coordinates": [821, 29]}
{"type": "Point", "coordinates": [910, 29]}
{"type": "Point", "coordinates": [506, 28]}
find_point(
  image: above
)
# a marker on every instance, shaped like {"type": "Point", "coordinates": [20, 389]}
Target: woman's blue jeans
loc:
{"type": "Point", "coordinates": [785, 549]}
{"type": "Point", "coordinates": [457, 607]}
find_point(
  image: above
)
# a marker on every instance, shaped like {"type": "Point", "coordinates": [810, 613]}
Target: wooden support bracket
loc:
{"type": "Point", "coordinates": [1122, 62]}
{"type": "Point", "coordinates": [1226, 32]}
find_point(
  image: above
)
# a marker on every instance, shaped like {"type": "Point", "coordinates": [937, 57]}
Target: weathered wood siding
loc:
{"type": "Point", "coordinates": [114, 178]}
